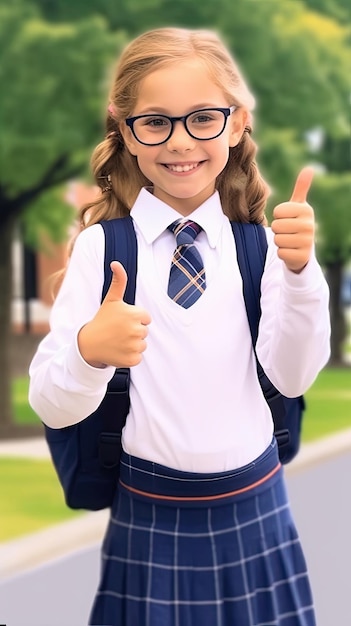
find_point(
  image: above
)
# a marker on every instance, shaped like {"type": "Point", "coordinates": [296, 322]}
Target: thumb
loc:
{"type": "Point", "coordinates": [118, 282]}
{"type": "Point", "coordinates": [302, 185]}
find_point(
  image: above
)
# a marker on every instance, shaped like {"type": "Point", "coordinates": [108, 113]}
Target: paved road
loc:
{"type": "Point", "coordinates": [60, 593]}
{"type": "Point", "coordinates": [321, 502]}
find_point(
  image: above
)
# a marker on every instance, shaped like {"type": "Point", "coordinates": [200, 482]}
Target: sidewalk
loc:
{"type": "Point", "coordinates": [30, 448]}
{"type": "Point", "coordinates": [57, 541]}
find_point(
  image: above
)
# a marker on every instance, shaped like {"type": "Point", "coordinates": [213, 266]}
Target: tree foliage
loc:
{"type": "Point", "coordinates": [331, 195]}
{"type": "Point", "coordinates": [51, 83]}
{"type": "Point", "coordinates": [340, 10]}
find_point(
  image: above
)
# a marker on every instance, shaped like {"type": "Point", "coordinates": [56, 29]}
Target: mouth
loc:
{"type": "Point", "coordinates": [179, 168]}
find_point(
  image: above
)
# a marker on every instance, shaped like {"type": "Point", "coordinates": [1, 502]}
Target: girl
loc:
{"type": "Point", "coordinates": [200, 531]}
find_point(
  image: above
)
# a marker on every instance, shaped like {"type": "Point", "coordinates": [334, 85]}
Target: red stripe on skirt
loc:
{"type": "Point", "coordinates": [201, 498]}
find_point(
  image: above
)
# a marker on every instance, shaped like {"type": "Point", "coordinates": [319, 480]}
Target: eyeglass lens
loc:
{"type": "Point", "coordinates": [154, 129]}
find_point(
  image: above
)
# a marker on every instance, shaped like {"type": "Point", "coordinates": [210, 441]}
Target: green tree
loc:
{"type": "Point", "coordinates": [337, 9]}
{"type": "Point", "coordinates": [331, 194]}
{"type": "Point", "coordinates": [51, 81]}
{"type": "Point", "coordinates": [135, 16]}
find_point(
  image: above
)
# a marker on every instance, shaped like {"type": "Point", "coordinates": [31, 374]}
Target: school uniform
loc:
{"type": "Point", "coordinates": [200, 531]}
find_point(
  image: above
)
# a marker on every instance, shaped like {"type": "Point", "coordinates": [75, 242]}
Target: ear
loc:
{"type": "Point", "coordinates": [129, 139]}
{"type": "Point", "coordinates": [238, 121]}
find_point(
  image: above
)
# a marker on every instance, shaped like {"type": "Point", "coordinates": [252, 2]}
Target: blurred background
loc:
{"type": "Point", "coordinates": [56, 61]}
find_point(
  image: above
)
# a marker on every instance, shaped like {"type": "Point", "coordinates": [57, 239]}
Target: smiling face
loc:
{"type": "Point", "coordinates": [183, 170]}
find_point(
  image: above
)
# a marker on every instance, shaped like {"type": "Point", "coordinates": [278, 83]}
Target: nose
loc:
{"type": "Point", "coordinates": [180, 140]}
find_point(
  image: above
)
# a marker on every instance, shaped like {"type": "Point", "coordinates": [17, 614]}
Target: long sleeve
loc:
{"type": "Point", "coordinates": [294, 334]}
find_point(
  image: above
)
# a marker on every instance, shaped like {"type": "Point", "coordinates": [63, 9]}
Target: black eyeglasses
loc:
{"type": "Point", "coordinates": [204, 124]}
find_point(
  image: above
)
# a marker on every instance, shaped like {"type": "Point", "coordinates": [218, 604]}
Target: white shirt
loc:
{"type": "Point", "coordinates": [196, 404]}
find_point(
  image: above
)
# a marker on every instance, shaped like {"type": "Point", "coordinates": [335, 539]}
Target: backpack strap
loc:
{"type": "Point", "coordinates": [251, 250]}
{"type": "Point", "coordinates": [120, 245]}
{"type": "Point", "coordinates": [251, 247]}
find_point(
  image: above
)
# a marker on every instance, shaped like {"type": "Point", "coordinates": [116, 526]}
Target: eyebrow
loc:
{"type": "Point", "coordinates": [162, 111]}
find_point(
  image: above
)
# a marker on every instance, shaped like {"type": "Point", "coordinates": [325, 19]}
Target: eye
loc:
{"type": "Point", "coordinates": [155, 122]}
{"type": "Point", "coordinates": [204, 118]}
{"type": "Point", "coordinates": [201, 118]}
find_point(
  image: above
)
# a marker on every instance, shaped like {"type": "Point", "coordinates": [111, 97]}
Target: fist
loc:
{"type": "Point", "coordinates": [116, 335]}
{"type": "Point", "coordinates": [294, 225]}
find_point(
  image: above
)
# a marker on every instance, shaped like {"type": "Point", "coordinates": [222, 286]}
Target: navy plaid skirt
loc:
{"type": "Point", "coordinates": [186, 549]}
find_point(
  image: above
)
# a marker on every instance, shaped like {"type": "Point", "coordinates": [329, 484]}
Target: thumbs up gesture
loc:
{"type": "Point", "coordinates": [294, 225]}
{"type": "Point", "coordinates": [116, 335]}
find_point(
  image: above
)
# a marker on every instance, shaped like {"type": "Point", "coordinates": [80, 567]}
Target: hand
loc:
{"type": "Point", "coordinates": [294, 225]}
{"type": "Point", "coordinates": [116, 335]}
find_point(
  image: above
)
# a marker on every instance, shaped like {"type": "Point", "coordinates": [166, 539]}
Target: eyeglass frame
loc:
{"type": "Point", "coordinates": [227, 111]}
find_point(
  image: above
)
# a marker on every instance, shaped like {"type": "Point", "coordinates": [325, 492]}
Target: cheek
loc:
{"type": "Point", "coordinates": [146, 160]}
{"type": "Point", "coordinates": [223, 153]}
{"type": "Point", "coordinates": [129, 141]}
{"type": "Point", "coordinates": [133, 148]}
{"type": "Point", "coordinates": [147, 155]}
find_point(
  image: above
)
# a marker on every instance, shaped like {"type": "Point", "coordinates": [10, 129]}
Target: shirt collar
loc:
{"type": "Point", "coordinates": [152, 216]}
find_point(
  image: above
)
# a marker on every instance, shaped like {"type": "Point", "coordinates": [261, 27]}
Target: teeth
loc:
{"type": "Point", "coordinates": [182, 168]}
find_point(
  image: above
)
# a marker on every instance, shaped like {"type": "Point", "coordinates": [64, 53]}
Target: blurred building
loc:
{"type": "Point", "coordinates": [32, 285]}
{"type": "Point", "coordinates": [33, 271]}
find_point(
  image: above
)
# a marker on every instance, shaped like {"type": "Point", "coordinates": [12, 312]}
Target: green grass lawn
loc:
{"type": "Point", "coordinates": [31, 497]}
{"type": "Point", "coordinates": [23, 413]}
{"type": "Point", "coordinates": [328, 404]}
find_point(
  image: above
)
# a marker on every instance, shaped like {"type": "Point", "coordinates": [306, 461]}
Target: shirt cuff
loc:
{"type": "Point", "coordinates": [84, 373]}
{"type": "Point", "coordinates": [308, 280]}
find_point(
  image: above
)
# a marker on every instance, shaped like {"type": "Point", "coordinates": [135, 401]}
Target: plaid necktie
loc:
{"type": "Point", "coordinates": [187, 279]}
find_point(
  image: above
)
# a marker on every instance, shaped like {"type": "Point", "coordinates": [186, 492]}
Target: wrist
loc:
{"type": "Point", "coordinates": [85, 349]}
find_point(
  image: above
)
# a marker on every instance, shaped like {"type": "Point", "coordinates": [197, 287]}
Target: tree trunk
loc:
{"type": "Point", "coordinates": [6, 235]}
{"type": "Point", "coordinates": [337, 316]}
{"type": "Point", "coordinates": [8, 426]}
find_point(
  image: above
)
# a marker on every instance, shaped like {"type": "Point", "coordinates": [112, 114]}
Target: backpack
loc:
{"type": "Point", "coordinates": [86, 455]}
